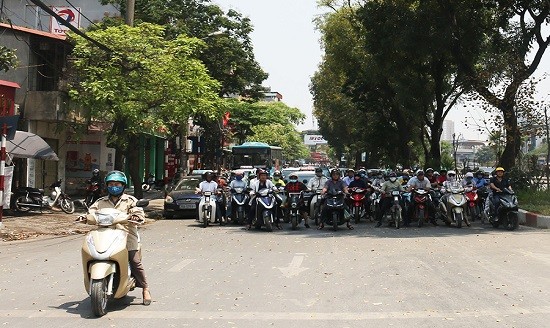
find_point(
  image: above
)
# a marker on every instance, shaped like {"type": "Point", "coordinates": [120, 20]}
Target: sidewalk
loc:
{"type": "Point", "coordinates": [534, 220]}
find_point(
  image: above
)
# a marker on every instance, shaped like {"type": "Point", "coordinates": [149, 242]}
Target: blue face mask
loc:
{"type": "Point", "coordinates": [238, 178]}
{"type": "Point", "coordinates": [293, 180]}
{"type": "Point", "coordinates": [115, 190]}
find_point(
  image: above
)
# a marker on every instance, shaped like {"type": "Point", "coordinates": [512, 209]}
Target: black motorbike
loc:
{"type": "Point", "coordinates": [93, 192]}
{"type": "Point", "coordinates": [506, 212]}
{"type": "Point", "coordinates": [239, 203]}
{"type": "Point", "coordinates": [334, 205]}
{"type": "Point", "coordinates": [27, 198]}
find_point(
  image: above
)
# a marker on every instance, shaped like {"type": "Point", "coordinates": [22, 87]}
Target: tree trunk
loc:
{"type": "Point", "coordinates": [435, 145]}
{"type": "Point", "coordinates": [513, 135]}
{"type": "Point", "coordinates": [132, 154]}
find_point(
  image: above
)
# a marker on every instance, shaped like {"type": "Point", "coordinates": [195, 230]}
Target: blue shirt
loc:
{"type": "Point", "coordinates": [480, 182]}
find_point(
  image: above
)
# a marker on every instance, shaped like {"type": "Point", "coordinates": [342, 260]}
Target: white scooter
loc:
{"type": "Point", "coordinates": [105, 260]}
{"type": "Point", "coordinates": [453, 209]}
{"type": "Point", "coordinates": [207, 209]}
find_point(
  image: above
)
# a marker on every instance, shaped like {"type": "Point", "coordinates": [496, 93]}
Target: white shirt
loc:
{"type": "Point", "coordinates": [316, 183]}
{"type": "Point", "coordinates": [256, 185]}
{"type": "Point", "coordinates": [208, 186]}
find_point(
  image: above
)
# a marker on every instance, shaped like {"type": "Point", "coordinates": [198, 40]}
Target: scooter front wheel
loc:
{"type": "Point", "coordinates": [99, 297]}
{"type": "Point", "coordinates": [20, 204]}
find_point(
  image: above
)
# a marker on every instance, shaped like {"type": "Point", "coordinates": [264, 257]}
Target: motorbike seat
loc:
{"type": "Point", "coordinates": [30, 190]}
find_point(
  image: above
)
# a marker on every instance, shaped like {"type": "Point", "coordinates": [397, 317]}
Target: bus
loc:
{"type": "Point", "coordinates": [256, 155]}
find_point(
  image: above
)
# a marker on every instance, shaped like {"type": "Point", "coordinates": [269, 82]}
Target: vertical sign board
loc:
{"type": "Point", "coordinates": [68, 14]}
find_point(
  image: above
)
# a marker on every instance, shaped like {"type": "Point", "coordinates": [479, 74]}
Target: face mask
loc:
{"type": "Point", "coordinates": [238, 178]}
{"type": "Point", "coordinates": [293, 180]}
{"type": "Point", "coordinates": [115, 190]}
{"type": "Point", "coordinates": [393, 179]}
{"type": "Point", "coordinates": [319, 174]}
{"type": "Point", "coordinates": [276, 178]}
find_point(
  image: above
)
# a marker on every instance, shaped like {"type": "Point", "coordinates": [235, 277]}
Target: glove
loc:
{"type": "Point", "coordinates": [136, 220]}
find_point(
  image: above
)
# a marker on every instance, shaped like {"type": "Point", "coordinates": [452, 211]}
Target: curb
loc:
{"type": "Point", "coordinates": [533, 220]}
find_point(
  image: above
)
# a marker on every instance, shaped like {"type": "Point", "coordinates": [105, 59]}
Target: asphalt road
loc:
{"type": "Point", "coordinates": [229, 277]}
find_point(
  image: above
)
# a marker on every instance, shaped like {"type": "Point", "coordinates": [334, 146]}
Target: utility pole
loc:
{"type": "Point", "coordinates": [130, 11]}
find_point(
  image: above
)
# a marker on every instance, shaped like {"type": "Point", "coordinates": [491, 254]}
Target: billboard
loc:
{"type": "Point", "coordinates": [314, 139]}
{"type": "Point", "coordinates": [68, 14]}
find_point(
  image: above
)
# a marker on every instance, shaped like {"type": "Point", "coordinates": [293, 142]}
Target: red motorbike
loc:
{"type": "Point", "coordinates": [420, 211]}
{"type": "Point", "coordinates": [357, 199]}
{"type": "Point", "coordinates": [472, 210]}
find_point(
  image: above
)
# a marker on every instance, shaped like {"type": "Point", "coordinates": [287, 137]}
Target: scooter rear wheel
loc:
{"type": "Point", "coordinates": [20, 204]}
{"type": "Point", "coordinates": [67, 205]}
{"type": "Point", "coordinates": [99, 297]}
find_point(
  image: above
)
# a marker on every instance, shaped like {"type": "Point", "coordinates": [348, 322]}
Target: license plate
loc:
{"type": "Point", "coordinates": [187, 206]}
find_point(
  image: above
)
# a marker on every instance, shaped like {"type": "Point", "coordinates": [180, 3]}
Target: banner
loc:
{"type": "Point", "coordinates": [68, 14]}
{"type": "Point", "coordinates": [8, 177]}
{"type": "Point", "coordinates": [314, 139]}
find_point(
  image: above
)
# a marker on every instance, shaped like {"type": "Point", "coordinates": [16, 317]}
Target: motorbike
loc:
{"type": "Point", "coordinates": [315, 206]}
{"type": "Point", "coordinates": [420, 210]}
{"type": "Point", "coordinates": [93, 192]}
{"type": "Point", "coordinates": [280, 199]}
{"type": "Point", "coordinates": [506, 213]}
{"type": "Point", "coordinates": [357, 198]}
{"type": "Point", "coordinates": [265, 214]}
{"type": "Point", "coordinates": [482, 194]}
{"type": "Point", "coordinates": [375, 201]}
{"type": "Point", "coordinates": [396, 209]}
{"type": "Point", "coordinates": [27, 198]}
{"type": "Point", "coordinates": [472, 209]}
{"type": "Point", "coordinates": [294, 202]}
{"type": "Point", "coordinates": [334, 204]}
{"type": "Point", "coordinates": [453, 210]}
{"type": "Point", "coordinates": [151, 184]}
{"type": "Point", "coordinates": [208, 209]}
{"type": "Point", "coordinates": [105, 262]}
{"type": "Point", "coordinates": [239, 199]}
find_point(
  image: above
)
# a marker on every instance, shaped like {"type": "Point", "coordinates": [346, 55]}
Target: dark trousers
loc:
{"type": "Point", "coordinates": [137, 269]}
{"type": "Point", "coordinates": [384, 205]}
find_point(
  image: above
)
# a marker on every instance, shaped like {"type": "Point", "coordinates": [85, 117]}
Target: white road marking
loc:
{"type": "Point", "coordinates": [277, 316]}
{"type": "Point", "coordinates": [294, 268]}
{"type": "Point", "coordinates": [178, 267]}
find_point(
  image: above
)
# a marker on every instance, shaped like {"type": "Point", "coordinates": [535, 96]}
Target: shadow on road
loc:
{"type": "Point", "coordinates": [84, 310]}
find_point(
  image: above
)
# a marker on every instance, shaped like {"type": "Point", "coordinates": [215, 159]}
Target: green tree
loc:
{"type": "Point", "coordinates": [145, 85]}
{"type": "Point", "coordinates": [486, 156]}
{"type": "Point", "coordinates": [8, 59]}
{"type": "Point", "coordinates": [229, 57]}
{"type": "Point", "coordinates": [498, 45]}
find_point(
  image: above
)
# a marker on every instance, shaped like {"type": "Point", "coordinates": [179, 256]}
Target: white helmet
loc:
{"type": "Point", "coordinates": [469, 175]}
{"type": "Point", "coordinates": [451, 172]}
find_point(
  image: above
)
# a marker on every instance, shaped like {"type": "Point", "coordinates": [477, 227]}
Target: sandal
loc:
{"type": "Point", "coordinates": [146, 300]}
{"type": "Point", "coordinates": [350, 227]}
{"type": "Point", "coordinates": [321, 226]}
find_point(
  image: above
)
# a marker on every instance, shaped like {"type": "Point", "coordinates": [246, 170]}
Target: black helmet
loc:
{"type": "Point", "coordinates": [393, 175]}
{"type": "Point", "coordinates": [336, 171]}
{"type": "Point", "coordinates": [318, 170]}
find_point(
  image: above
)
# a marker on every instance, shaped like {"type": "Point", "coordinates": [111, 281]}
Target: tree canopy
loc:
{"type": "Point", "coordinates": [8, 58]}
{"type": "Point", "coordinates": [145, 85]}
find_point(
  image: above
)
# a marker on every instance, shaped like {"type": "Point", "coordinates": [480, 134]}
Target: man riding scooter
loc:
{"type": "Point", "coordinates": [116, 182]}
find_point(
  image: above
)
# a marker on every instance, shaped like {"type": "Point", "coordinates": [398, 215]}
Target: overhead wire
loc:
{"type": "Point", "coordinates": [81, 14]}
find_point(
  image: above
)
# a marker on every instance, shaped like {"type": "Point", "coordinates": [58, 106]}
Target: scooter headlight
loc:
{"type": "Point", "coordinates": [105, 219]}
{"type": "Point", "coordinates": [238, 190]}
{"type": "Point", "coordinates": [168, 200]}
{"type": "Point", "coordinates": [53, 195]}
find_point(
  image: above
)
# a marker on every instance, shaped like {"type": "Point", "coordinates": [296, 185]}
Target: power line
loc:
{"type": "Point", "coordinates": [81, 14]}
{"type": "Point", "coordinates": [70, 26]}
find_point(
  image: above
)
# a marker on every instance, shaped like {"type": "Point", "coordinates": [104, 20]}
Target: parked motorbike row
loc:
{"type": "Point", "coordinates": [460, 207]}
{"type": "Point", "coordinates": [25, 199]}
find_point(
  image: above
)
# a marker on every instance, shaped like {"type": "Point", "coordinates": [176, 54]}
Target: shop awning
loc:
{"type": "Point", "coordinates": [29, 145]}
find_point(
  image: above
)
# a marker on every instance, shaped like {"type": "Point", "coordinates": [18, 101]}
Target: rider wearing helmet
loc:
{"type": "Point", "coordinates": [261, 183]}
{"type": "Point", "coordinates": [421, 182]}
{"type": "Point", "coordinates": [468, 181]}
{"type": "Point", "coordinates": [318, 181]}
{"type": "Point", "coordinates": [479, 179]}
{"type": "Point", "coordinates": [278, 179]}
{"type": "Point", "coordinates": [296, 186]}
{"type": "Point", "coordinates": [442, 176]}
{"type": "Point", "coordinates": [333, 186]}
{"type": "Point", "coordinates": [498, 183]}
{"type": "Point", "coordinates": [386, 200]}
{"type": "Point", "coordinates": [349, 178]}
{"type": "Point", "coordinates": [116, 182]}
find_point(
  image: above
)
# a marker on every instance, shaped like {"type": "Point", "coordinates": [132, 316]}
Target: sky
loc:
{"type": "Point", "coordinates": [286, 44]}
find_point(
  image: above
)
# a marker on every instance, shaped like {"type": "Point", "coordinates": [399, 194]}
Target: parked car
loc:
{"type": "Point", "coordinates": [181, 200]}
